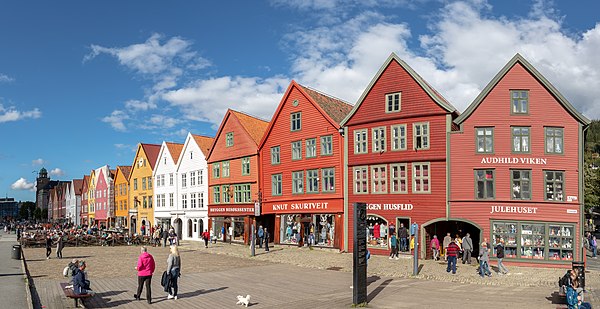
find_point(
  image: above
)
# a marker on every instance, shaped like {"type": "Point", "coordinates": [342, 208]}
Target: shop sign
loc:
{"type": "Point", "coordinates": [232, 209]}
{"type": "Point", "coordinates": [571, 211]}
{"type": "Point", "coordinates": [513, 160]}
{"type": "Point", "coordinates": [257, 209]}
{"type": "Point", "coordinates": [388, 207]}
{"type": "Point", "coordinates": [571, 198]}
{"type": "Point", "coordinates": [301, 206]}
{"type": "Point", "coordinates": [514, 209]}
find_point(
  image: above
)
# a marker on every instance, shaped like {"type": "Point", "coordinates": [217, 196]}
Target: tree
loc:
{"type": "Point", "coordinates": [27, 209]}
{"type": "Point", "coordinates": [591, 180]}
{"type": "Point", "coordinates": [44, 215]}
{"type": "Point", "coordinates": [37, 213]}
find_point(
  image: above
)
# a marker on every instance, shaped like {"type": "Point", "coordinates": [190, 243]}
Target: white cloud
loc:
{"type": "Point", "coordinates": [137, 105]}
{"type": "Point", "coordinates": [39, 161]}
{"type": "Point", "coordinates": [117, 120]}
{"type": "Point", "coordinates": [57, 172]}
{"type": "Point", "coordinates": [12, 114]}
{"type": "Point", "coordinates": [22, 184]}
{"type": "Point", "coordinates": [5, 78]}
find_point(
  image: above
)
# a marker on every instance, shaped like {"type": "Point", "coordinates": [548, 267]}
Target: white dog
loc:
{"type": "Point", "coordinates": [243, 300]}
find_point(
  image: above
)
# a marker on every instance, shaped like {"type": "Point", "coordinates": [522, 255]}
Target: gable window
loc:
{"type": "Point", "coordinates": [183, 180]}
{"type": "Point", "coordinates": [520, 137]}
{"type": "Point", "coordinates": [392, 102]}
{"type": "Point", "coordinates": [216, 194]}
{"type": "Point", "coordinates": [276, 184]}
{"type": "Point", "coordinates": [135, 184]}
{"type": "Point", "coordinates": [521, 184]}
{"type": "Point", "coordinates": [484, 184]}
{"type": "Point", "coordinates": [378, 139]}
{"type": "Point", "coordinates": [484, 140]}
{"type": "Point", "coordinates": [229, 139]}
{"type": "Point", "coordinates": [328, 175]}
{"type": "Point", "coordinates": [554, 140]}
{"type": "Point", "coordinates": [398, 137]}
{"type": "Point", "coordinates": [216, 170]}
{"type": "Point", "coordinates": [245, 166]}
{"type": "Point", "coordinates": [360, 141]}
{"type": "Point", "coordinates": [326, 145]}
{"type": "Point", "coordinates": [143, 183]}
{"type": "Point", "coordinates": [298, 182]}
{"type": "Point", "coordinates": [275, 155]}
{"type": "Point", "coordinates": [192, 179]}
{"type": "Point", "coordinates": [311, 148]}
{"type": "Point", "coordinates": [226, 194]}
{"type": "Point", "coordinates": [191, 155]}
{"type": "Point", "coordinates": [398, 178]}
{"type": "Point", "coordinates": [519, 101]}
{"type": "Point", "coordinates": [554, 186]}
{"type": "Point", "coordinates": [297, 150]}
{"type": "Point", "coordinates": [296, 121]}
{"type": "Point", "coordinates": [225, 169]}
{"type": "Point", "coordinates": [378, 179]}
{"type": "Point", "coordinates": [421, 135]}
{"type": "Point", "coordinates": [170, 179]}
{"type": "Point", "coordinates": [421, 178]}
{"type": "Point", "coordinates": [312, 181]}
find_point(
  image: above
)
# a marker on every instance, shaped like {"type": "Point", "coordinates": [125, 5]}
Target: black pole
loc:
{"type": "Point", "coordinates": [252, 242]}
{"type": "Point", "coordinates": [359, 274]}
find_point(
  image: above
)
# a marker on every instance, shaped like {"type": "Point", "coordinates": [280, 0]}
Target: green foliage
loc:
{"type": "Point", "coordinates": [27, 209]}
{"type": "Point", "coordinates": [591, 171]}
{"type": "Point", "coordinates": [37, 213]}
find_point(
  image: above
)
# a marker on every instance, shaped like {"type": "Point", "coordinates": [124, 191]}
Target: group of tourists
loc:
{"type": "Point", "coordinates": [572, 287]}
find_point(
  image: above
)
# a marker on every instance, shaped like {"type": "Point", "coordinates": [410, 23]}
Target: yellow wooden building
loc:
{"type": "Point", "coordinates": [141, 211]}
{"type": "Point", "coordinates": [122, 196]}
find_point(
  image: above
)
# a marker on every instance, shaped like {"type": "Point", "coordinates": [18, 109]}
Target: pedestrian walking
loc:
{"type": "Point", "coordinates": [451, 255]}
{"type": "Point", "coordinates": [500, 255]}
{"type": "Point", "coordinates": [467, 244]}
{"type": "Point", "coordinates": [261, 236]}
{"type": "Point", "coordinates": [484, 260]}
{"type": "Point", "coordinates": [165, 237]}
{"type": "Point", "coordinates": [447, 241]}
{"type": "Point", "coordinates": [60, 244]}
{"type": "Point", "coordinates": [594, 245]}
{"type": "Point", "coordinates": [394, 246]}
{"type": "Point", "coordinates": [173, 269]}
{"type": "Point", "coordinates": [403, 235]}
{"type": "Point", "coordinates": [435, 247]}
{"type": "Point", "coordinates": [266, 235]}
{"type": "Point", "coordinates": [48, 246]}
{"type": "Point", "coordinates": [205, 236]}
{"type": "Point", "coordinates": [145, 268]}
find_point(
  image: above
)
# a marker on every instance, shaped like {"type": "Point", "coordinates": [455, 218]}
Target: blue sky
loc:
{"type": "Point", "coordinates": [82, 82]}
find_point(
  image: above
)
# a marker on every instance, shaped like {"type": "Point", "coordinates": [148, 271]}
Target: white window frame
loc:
{"type": "Point", "coordinates": [379, 139]}
{"type": "Point", "coordinates": [361, 141]}
{"type": "Point", "coordinates": [398, 137]}
{"type": "Point", "coordinates": [425, 138]}
{"type": "Point", "coordinates": [311, 147]}
{"type": "Point", "coordinates": [399, 178]}
{"type": "Point", "coordinates": [421, 179]}
{"type": "Point", "coordinates": [379, 181]}
{"type": "Point", "coordinates": [390, 98]}
{"type": "Point", "coordinates": [359, 182]}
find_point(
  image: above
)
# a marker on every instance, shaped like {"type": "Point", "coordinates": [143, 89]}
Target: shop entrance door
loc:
{"type": "Point", "coordinates": [406, 223]}
{"type": "Point", "coordinates": [268, 222]}
{"type": "Point", "coordinates": [454, 227]}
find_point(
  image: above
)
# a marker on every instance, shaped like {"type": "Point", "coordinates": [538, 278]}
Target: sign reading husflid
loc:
{"type": "Point", "coordinates": [359, 292]}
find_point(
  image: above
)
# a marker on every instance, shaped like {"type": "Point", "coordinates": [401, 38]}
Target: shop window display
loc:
{"type": "Point", "coordinates": [532, 241]}
{"type": "Point", "coordinates": [560, 242]}
{"type": "Point", "coordinates": [506, 231]}
{"type": "Point", "coordinates": [319, 232]}
{"type": "Point", "coordinates": [377, 230]}
{"type": "Point", "coordinates": [324, 235]}
{"type": "Point", "coordinates": [291, 229]}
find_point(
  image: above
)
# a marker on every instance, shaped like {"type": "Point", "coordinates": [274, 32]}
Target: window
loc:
{"type": "Point", "coordinates": [170, 179]}
{"type": "Point", "coordinates": [506, 231]}
{"type": "Point", "coordinates": [326, 145]}
{"type": "Point", "coordinates": [143, 183]}
{"type": "Point", "coordinates": [360, 141]}
{"type": "Point", "coordinates": [149, 182]}
{"type": "Point", "coordinates": [162, 200]}
{"type": "Point", "coordinates": [184, 201]}
{"type": "Point", "coordinates": [183, 180]}
{"type": "Point", "coordinates": [192, 200]}
{"type": "Point", "coordinates": [520, 137]}
{"type": "Point", "coordinates": [311, 148]}
{"type": "Point", "coordinates": [361, 179]}
{"type": "Point", "coordinates": [144, 202]}
{"type": "Point", "coordinates": [392, 102]}
{"type": "Point", "coordinates": [216, 170]}
{"type": "Point", "coordinates": [275, 155]}
{"type": "Point", "coordinates": [560, 242]}
{"type": "Point", "coordinates": [484, 140]}
{"type": "Point", "coordinates": [296, 123]}
{"type": "Point", "coordinates": [521, 184]}
{"type": "Point", "coordinates": [162, 180]}
{"type": "Point", "coordinates": [242, 193]}
{"type": "Point", "coordinates": [191, 155]}
{"type": "Point", "coordinates": [200, 177]}
{"type": "Point", "coordinates": [298, 182]}
{"type": "Point", "coordinates": [399, 137]}
{"type": "Point", "coordinates": [484, 184]}
{"type": "Point", "coordinates": [398, 178]}
{"type": "Point", "coordinates": [192, 179]}
{"type": "Point", "coordinates": [519, 101]}
{"type": "Point", "coordinates": [421, 178]}
{"type": "Point", "coordinates": [421, 135]}
{"type": "Point", "coordinates": [225, 169]}
{"type": "Point", "coordinates": [554, 186]}
{"type": "Point", "coordinates": [328, 175]}
{"type": "Point", "coordinates": [533, 241]}
{"type": "Point", "coordinates": [312, 181]}
{"type": "Point", "coordinates": [378, 139]}
{"type": "Point", "coordinates": [554, 140]}
{"type": "Point", "coordinates": [149, 202]}
{"type": "Point", "coordinates": [276, 184]}
{"type": "Point", "coordinates": [226, 194]}
{"type": "Point", "coordinates": [378, 179]}
{"type": "Point", "coordinates": [229, 139]}
{"type": "Point", "coordinates": [245, 166]}
{"type": "Point", "coordinates": [171, 200]}
{"type": "Point", "coordinates": [297, 150]}
{"type": "Point", "coordinates": [217, 194]}
{"type": "Point", "coordinates": [201, 200]}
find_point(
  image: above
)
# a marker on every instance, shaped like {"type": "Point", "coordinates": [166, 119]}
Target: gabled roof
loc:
{"type": "Point", "coordinates": [334, 107]}
{"type": "Point", "coordinates": [125, 170]}
{"type": "Point", "coordinates": [254, 126]}
{"type": "Point", "coordinates": [77, 185]}
{"type": "Point", "coordinates": [433, 94]}
{"type": "Point", "coordinates": [204, 143]}
{"type": "Point", "coordinates": [537, 75]}
{"type": "Point", "coordinates": [175, 150]}
{"type": "Point", "coordinates": [151, 151]}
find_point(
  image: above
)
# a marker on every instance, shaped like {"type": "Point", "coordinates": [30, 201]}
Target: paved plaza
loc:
{"type": "Point", "coordinates": [290, 277]}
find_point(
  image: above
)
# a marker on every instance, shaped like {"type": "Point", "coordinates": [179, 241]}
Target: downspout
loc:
{"type": "Point", "coordinates": [345, 184]}
{"type": "Point", "coordinates": [582, 131]}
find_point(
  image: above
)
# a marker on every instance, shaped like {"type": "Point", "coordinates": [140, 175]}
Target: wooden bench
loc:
{"type": "Point", "coordinates": [69, 293]}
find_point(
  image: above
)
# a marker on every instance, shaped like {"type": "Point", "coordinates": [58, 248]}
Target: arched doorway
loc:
{"type": "Point", "coordinates": [189, 228]}
{"type": "Point", "coordinates": [178, 225]}
{"type": "Point", "coordinates": [454, 226]}
{"type": "Point", "coordinates": [201, 229]}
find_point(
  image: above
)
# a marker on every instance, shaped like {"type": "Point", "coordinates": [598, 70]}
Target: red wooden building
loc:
{"type": "Point", "coordinates": [397, 148]}
{"type": "Point", "coordinates": [233, 177]}
{"type": "Point", "coordinates": [516, 167]}
{"type": "Point", "coordinates": [83, 214]}
{"type": "Point", "coordinates": [301, 162]}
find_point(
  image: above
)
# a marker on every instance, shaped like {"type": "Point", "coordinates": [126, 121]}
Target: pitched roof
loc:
{"type": "Point", "coordinates": [204, 143]}
{"type": "Point", "coordinates": [77, 185]}
{"type": "Point", "coordinates": [152, 151]}
{"type": "Point", "coordinates": [175, 150]}
{"type": "Point", "coordinates": [125, 170]}
{"type": "Point", "coordinates": [254, 126]}
{"type": "Point", "coordinates": [433, 94]}
{"type": "Point", "coordinates": [519, 59]}
{"type": "Point", "coordinates": [334, 107]}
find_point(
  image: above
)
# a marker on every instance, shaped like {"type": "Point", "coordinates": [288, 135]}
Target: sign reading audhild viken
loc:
{"type": "Point", "coordinates": [514, 160]}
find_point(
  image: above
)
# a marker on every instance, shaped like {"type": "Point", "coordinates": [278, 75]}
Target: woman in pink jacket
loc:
{"type": "Point", "coordinates": [145, 268]}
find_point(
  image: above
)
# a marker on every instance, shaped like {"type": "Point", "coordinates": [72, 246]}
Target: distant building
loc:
{"type": "Point", "coordinates": [9, 207]}
{"type": "Point", "coordinates": [43, 187]}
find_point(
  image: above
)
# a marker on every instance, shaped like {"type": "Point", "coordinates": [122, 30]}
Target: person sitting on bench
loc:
{"type": "Point", "coordinates": [80, 284]}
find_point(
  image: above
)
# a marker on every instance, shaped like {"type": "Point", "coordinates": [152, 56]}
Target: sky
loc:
{"type": "Point", "coordinates": [83, 82]}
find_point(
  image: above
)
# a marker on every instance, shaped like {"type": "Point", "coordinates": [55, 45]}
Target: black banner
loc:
{"type": "Point", "coordinates": [359, 292]}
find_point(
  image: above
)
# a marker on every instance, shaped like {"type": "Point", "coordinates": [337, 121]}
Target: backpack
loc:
{"type": "Point", "coordinates": [66, 271]}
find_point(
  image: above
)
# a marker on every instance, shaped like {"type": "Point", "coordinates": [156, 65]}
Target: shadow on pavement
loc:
{"type": "Point", "coordinates": [555, 298]}
{"type": "Point", "coordinates": [200, 292]}
{"type": "Point", "coordinates": [98, 301]}
{"type": "Point", "coordinates": [378, 290]}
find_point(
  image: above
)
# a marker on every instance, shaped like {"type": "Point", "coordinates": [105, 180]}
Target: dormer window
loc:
{"type": "Point", "coordinates": [229, 139]}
